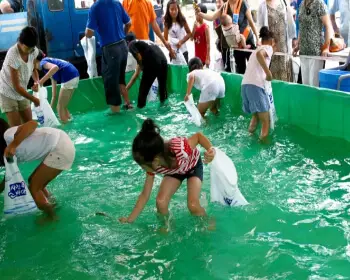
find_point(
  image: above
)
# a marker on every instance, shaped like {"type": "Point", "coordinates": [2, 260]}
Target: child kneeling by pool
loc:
{"type": "Point", "coordinates": [63, 72]}
{"type": "Point", "coordinates": [209, 82]}
{"type": "Point", "coordinates": [254, 97]}
{"type": "Point", "coordinates": [29, 143]}
{"type": "Point", "coordinates": [177, 159]}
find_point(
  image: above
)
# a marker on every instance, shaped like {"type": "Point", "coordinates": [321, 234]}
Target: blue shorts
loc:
{"type": "Point", "coordinates": [254, 99]}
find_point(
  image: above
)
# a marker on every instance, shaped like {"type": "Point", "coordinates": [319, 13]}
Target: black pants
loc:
{"type": "Point", "coordinates": [159, 70]}
{"type": "Point", "coordinates": [225, 54]}
{"type": "Point", "coordinates": [114, 61]}
{"type": "Point", "coordinates": [241, 58]}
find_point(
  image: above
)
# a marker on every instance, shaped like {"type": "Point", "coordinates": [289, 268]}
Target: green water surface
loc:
{"type": "Point", "coordinates": [296, 227]}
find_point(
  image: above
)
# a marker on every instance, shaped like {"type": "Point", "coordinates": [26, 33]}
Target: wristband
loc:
{"type": "Point", "coordinates": [150, 174]}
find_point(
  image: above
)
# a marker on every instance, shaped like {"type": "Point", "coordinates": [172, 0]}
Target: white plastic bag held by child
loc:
{"type": "Point", "coordinates": [89, 47]}
{"type": "Point", "coordinates": [153, 92]}
{"type": "Point", "coordinates": [223, 179]}
{"type": "Point", "coordinates": [272, 111]}
{"type": "Point", "coordinates": [17, 198]}
{"type": "Point", "coordinates": [44, 114]}
{"type": "Point", "coordinates": [192, 109]}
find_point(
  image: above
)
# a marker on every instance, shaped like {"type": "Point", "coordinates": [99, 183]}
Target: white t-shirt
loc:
{"type": "Point", "coordinates": [177, 33]}
{"type": "Point", "coordinates": [13, 59]}
{"type": "Point", "coordinates": [205, 77]}
{"type": "Point", "coordinates": [37, 145]}
{"type": "Point", "coordinates": [255, 74]}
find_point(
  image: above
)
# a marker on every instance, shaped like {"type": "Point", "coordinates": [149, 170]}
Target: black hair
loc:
{"type": "Point", "coordinates": [180, 19]}
{"type": "Point", "coordinates": [41, 55]}
{"type": "Point", "coordinates": [28, 37]}
{"type": "Point", "coordinates": [203, 8]}
{"type": "Point", "coordinates": [195, 64]}
{"type": "Point", "coordinates": [3, 127]}
{"type": "Point", "coordinates": [265, 34]}
{"type": "Point", "coordinates": [130, 37]}
{"type": "Point", "coordinates": [148, 143]}
{"type": "Point", "coordinates": [295, 39]}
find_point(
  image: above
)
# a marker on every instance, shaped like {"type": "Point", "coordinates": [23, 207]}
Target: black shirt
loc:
{"type": "Point", "coordinates": [150, 53]}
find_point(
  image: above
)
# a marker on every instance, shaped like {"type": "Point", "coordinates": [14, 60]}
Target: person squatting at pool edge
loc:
{"type": "Point", "coordinates": [152, 61]}
{"type": "Point", "coordinates": [209, 82]}
{"type": "Point", "coordinates": [177, 159]}
{"type": "Point", "coordinates": [29, 143]}
{"type": "Point", "coordinates": [254, 97]}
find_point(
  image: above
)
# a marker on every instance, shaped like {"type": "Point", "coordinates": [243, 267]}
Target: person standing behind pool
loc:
{"type": "Point", "coordinates": [107, 18]}
{"type": "Point", "coordinates": [209, 82]}
{"type": "Point", "coordinates": [28, 143]}
{"type": "Point", "coordinates": [10, 6]}
{"type": "Point", "coordinates": [254, 97]}
{"type": "Point", "coordinates": [64, 73]}
{"type": "Point", "coordinates": [152, 61]}
{"type": "Point", "coordinates": [15, 74]}
{"type": "Point", "coordinates": [177, 159]}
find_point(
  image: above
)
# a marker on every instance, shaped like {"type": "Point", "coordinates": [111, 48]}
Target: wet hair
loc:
{"type": "Point", "coordinates": [3, 127]}
{"type": "Point", "coordinates": [180, 19]}
{"type": "Point", "coordinates": [40, 56]}
{"type": "Point", "coordinates": [265, 34]}
{"type": "Point", "coordinates": [28, 37]}
{"type": "Point", "coordinates": [148, 143]}
{"type": "Point", "coordinates": [203, 8]}
{"type": "Point", "coordinates": [195, 64]}
{"type": "Point", "coordinates": [130, 37]}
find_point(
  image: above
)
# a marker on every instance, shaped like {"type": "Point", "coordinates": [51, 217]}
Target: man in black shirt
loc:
{"type": "Point", "coordinates": [152, 61]}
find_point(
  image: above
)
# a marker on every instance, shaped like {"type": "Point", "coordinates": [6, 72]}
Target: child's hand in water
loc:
{"type": "Point", "coordinates": [209, 155]}
{"type": "Point", "coordinates": [123, 220]}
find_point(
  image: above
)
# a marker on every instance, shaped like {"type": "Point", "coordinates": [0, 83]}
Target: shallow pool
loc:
{"type": "Point", "coordinates": [296, 227]}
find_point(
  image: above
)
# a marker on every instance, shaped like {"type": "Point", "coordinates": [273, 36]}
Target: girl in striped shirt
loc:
{"type": "Point", "coordinates": [177, 159]}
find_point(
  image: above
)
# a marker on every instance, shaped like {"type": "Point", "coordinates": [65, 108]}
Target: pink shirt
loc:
{"type": "Point", "coordinates": [186, 157]}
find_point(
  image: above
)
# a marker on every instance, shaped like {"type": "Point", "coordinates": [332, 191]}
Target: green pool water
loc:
{"type": "Point", "coordinates": [296, 227]}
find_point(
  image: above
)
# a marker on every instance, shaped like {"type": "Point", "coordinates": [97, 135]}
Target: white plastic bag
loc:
{"type": "Point", "coordinates": [179, 60]}
{"type": "Point", "coordinates": [218, 62]}
{"type": "Point", "coordinates": [272, 111]}
{"type": "Point", "coordinates": [192, 109]}
{"type": "Point", "coordinates": [17, 198]}
{"type": "Point", "coordinates": [89, 47]}
{"type": "Point", "coordinates": [153, 92]}
{"type": "Point", "coordinates": [223, 179]}
{"type": "Point", "coordinates": [131, 64]}
{"type": "Point", "coordinates": [50, 119]}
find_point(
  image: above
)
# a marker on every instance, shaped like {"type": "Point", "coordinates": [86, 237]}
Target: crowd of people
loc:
{"type": "Point", "coordinates": [126, 27]}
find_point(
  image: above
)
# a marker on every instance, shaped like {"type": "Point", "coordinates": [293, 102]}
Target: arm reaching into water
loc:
{"type": "Point", "coordinates": [189, 86]}
{"type": "Point", "coordinates": [200, 139]}
{"type": "Point", "coordinates": [134, 77]}
{"type": "Point", "coordinates": [141, 202]}
{"type": "Point", "coordinates": [52, 70]}
{"type": "Point", "coordinates": [23, 132]}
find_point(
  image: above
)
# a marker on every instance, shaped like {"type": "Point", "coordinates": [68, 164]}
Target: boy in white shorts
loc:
{"type": "Point", "coordinates": [62, 72]}
{"type": "Point", "coordinates": [209, 82]}
{"type": "Point", "coordinates": [51, 146]}
{"type": "Point", "coordinates": [231, 33]}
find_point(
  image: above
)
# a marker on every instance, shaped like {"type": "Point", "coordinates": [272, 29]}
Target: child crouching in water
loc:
{"type": "Point", "coordinates": [63, 72]}
{"type": "Point", "coordinates": [254, 97]}
{"type": "Point", "coordinates": [209, 82]}
{"type": "Point", "coordinates": [28, 143]}
{"type": "Point", "coordinates": [177, 159]}
{"type": "Point", "coordinates": [231, 33]}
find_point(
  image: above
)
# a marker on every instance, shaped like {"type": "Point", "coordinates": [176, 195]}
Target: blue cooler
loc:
{"type": "Point", "coordinates": [329, 79]}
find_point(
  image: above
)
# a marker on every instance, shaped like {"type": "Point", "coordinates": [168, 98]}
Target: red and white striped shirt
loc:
{"type": "Point", "coordinates": [186, 157]}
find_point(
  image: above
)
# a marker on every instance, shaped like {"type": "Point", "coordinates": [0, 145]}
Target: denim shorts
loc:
{"type": "Point", "coordinates": [254, 99]}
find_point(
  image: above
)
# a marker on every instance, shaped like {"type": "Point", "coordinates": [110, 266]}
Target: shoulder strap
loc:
{"type": "Point", "coordinates": [238, 7]}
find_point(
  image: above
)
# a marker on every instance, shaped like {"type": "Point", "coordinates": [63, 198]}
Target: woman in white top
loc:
{"type": "Point", "coordinates": [176, 29]}
{"type": "Point", "coordinates": [15, 74]}
{"type": "Point", "coordinates": [28, 143]}
{"type": "Point", "coordinates": [209, 82]}
{"type": "Point", "coordinates": [254, 97]}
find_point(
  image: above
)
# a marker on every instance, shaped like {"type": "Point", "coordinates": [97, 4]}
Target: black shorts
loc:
{"type": "Point", "coordinates": [197, 171]}
{"type": "Point", "coordinates": [114, 60]}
